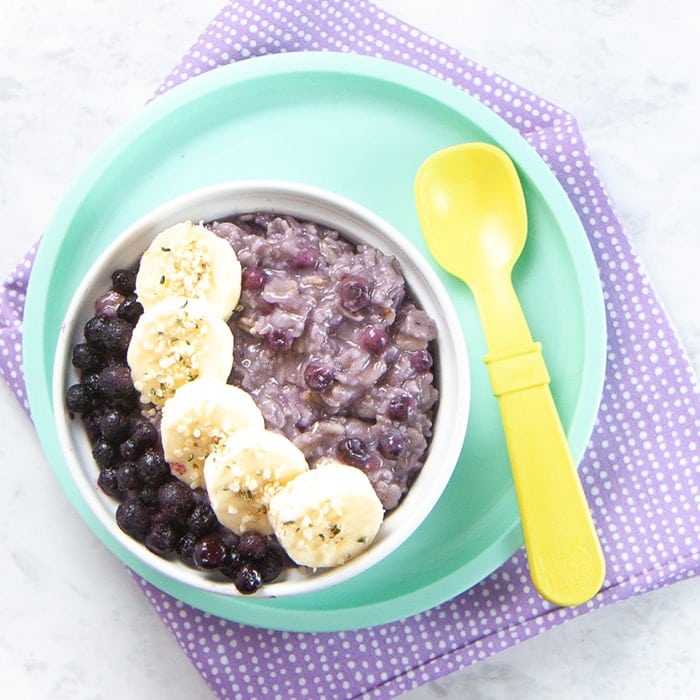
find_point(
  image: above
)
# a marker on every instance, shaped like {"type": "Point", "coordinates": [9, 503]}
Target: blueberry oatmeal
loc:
{"type": "Point", "coordinates": [331, 349]}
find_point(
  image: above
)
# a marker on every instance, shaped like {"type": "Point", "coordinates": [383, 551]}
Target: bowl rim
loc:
{"type": "Point", "coordinates": [283, 197]}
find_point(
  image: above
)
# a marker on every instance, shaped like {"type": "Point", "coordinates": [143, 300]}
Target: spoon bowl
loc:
{"type": "Point", "coordinates": [486, 220]}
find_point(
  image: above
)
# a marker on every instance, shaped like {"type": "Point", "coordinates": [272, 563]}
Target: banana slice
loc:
{"type": "Point", "coordinates": [245, 471]}
{"type": "Point", "coordinates": [188, 260]}
{"type": "Point", "coordinates": [199, 416]}
{"type": "Point", "coordinates": [326, 516]}
{"type": "Point", "coordinates": [175, 342]}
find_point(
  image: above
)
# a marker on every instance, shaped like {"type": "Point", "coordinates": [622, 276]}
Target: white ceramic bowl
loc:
{"type": "Point", "coordinates": [356, 224]}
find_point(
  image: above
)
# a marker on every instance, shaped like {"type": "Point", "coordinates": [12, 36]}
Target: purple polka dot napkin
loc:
{"type": "Point", "coordinates": [640, 470]}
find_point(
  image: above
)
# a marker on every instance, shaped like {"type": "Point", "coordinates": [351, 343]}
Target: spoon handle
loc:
{"type": "Point", "coordinates": [565, 558]}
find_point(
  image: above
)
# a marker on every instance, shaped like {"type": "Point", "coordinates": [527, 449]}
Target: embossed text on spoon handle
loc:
{"type": "Point", "coordinates": [565, 558]}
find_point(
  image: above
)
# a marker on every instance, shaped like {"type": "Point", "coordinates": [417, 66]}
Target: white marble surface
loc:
{"type": "Point", "coordinates": [73, 623]}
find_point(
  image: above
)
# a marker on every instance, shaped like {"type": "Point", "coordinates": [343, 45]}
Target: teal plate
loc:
{"type": "Point", "coordinates": [360, 127]}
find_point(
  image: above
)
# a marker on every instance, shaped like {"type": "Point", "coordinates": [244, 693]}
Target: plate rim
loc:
{"type": "Point", "coordinates": [528, 161]}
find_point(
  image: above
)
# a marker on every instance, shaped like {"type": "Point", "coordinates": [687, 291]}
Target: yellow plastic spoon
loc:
{"type": "Point", "coordinates": [471, 208]}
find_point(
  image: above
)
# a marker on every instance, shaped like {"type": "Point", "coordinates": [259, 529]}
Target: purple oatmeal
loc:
{"type": "Point", "coordinates": [332, 348]}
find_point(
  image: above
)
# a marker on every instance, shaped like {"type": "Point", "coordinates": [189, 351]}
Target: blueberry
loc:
{"type": "Point", "coordinates": [107, 481]}
{"type": "Point", "coordinates": [177, 498]}
{"type": "Point", "coordinates": [79, 398]}
{"type": "Point", "coordinates": [116, 336]}
{"type": "Point", "coordinates": [391, 444]}
{"type": "Point", "coordinates": [399, 407]}
{"type": "Point", "coordinates": [91, 421]}
{"type": "Point", "coordinates": [133, 517]}
{"type": "Point", "coordinates": [115, 382]}
{"type": "Point", "coordinates": [270, 566]}
{"type": "Point", "coordinates": [91, 383]}
{"type": "Point", "coordinates": [106, 306]}
{"type": "Point", "coordinates": [103, 453]}
{"type": "Point", "coordinates": [125, 403]}
{"type": "Point", "coordinates": [252, 544]}
{"type": "Point", "coordinates": [124, 281]}
{"type": "Point", "coordinates": [318, 376]}
{"type": "Point", "coordinates": [128, 477]}
{"type": "Point", "coordinates": [201, 520]}
{"type": "Point", "coordinates": [305, 258]}
{"type": "Point", "coordinates": [353, 451]}
{"type": "Point", "coordinates": [230, 538]}
{"type": "Point", "coordinates": [253, 278]}
{"type": "Point", "coordinates": [185, 549]}
{"type": "Point", "coordinates": [247, 579]}
{"type": "Point", "coordinates": [94, 330]}
{"type": "Point", "coordinates": [161, 539]}
{"type": "Point", "coordinates": [354, 293]}
{"type": "Point", "coordinates": [152, 467]}
{"type": "Point", "coordinates": [279, 340]}
{"type": "Point", "coordinates": [113, 425]}
{"type": "Point", "coordinates": [421, 361]}
{"type": "Point", "coordinates": [130, 310]}
{"type": "Point", "coordinates": [129, 449]}
{"type": "Point", "coordinates": [374, 340]}
{"type": "Point", "coordinates": [144, 434]}
{"type": "Point", "coordinates": [234, 558]}
{"type": "Point", "coordinates": [210, 552]}
{"type": "Point", "coordinates": [87, 357]}
{"type": "Point", "coordinates": [148, 495]}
